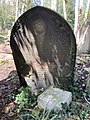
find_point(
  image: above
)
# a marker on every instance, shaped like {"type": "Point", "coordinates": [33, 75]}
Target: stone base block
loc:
{"type": "Point", "coordinates": [53, 97]}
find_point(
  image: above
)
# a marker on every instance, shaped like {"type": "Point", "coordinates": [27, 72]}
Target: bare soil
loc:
{"type": "Point", "coordinates": [9, 82]}
{"type": "Point", "coordinates": [6, 61]}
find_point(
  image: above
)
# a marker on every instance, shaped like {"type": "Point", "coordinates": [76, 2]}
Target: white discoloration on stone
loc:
{"type": "Point", "coordinates": [53, 97]}
{"type": "Point", "coordinates": [32, 58]}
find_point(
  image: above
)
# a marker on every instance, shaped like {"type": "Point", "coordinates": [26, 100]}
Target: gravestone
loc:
{"type": "Point", "coordinates": [83, 45]}
{"type": "Point", "coordinates": [44, 48]}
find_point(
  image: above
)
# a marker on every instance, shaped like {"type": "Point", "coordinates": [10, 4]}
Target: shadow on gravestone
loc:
{"type": "Point", "coordinates": [44, 48]}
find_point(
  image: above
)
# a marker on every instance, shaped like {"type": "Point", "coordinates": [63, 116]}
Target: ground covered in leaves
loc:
{"type": "Point", "coordinates": [19, 104]}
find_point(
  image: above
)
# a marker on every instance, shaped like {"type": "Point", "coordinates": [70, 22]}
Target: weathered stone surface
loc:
{"type": "Point", "coordinates": [53, 97]}
{"type": "Point", "coordinates": [44, 48]}
{"type": "Point", "coordinates": [88, 79]}
{"type": "Point", "coordinates": [83, 45]}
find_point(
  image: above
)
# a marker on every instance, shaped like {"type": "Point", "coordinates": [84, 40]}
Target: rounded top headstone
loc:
{"type": "Point", "coordinates": [44, 46]}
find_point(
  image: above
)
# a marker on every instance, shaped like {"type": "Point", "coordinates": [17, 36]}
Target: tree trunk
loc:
{"type": "Point", "coordinates": [76, 18]}
{"type": "Point", "coordinates": [42, 2]}
{"type": "Point", "coordinates": [64, 9]}
{"type": "Point", "coordinates": [87, 9]}
{"type": "Point", "coordinates": [23, 6]}
{"type": "Point", "coordinates": [54, 5]}
{"type": "Point", "coordinates": [16, 9]}
{"type": "Point", "coordinates": [79, 19]}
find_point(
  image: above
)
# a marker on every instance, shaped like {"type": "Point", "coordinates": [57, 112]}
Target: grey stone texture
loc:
{"type": "Point", "coordinates": [53, 97]}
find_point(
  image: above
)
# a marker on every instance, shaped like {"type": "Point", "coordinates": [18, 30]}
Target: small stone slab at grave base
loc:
{"type": "Point", "coordinates": [52, 98]}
